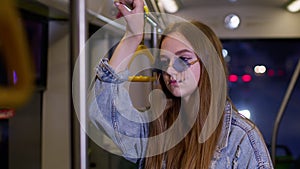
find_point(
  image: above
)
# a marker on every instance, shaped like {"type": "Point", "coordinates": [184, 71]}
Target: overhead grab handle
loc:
{"type": "Point", "coordinates": [142, 50]}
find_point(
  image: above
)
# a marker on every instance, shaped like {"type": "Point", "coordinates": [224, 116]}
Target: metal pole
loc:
{"type": "Point", "coordinates": [281, 111]}
{"type": "Point", "coordinates": [78, 38]}
{"type": "Point", "coordinates": [154, 36]}
{"type": "Point", "coordinates": [149, 18]}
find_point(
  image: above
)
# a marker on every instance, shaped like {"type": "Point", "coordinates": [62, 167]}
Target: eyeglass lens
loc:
{"type": "Point", "coordinates": [180, 65]}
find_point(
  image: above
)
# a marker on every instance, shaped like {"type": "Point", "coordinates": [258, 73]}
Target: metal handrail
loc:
{"type": "Point", "coordinates": [281, 111]}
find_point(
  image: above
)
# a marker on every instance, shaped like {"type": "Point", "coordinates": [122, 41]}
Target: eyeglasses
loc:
{"type": "Point", "coordinates": [180, 64]}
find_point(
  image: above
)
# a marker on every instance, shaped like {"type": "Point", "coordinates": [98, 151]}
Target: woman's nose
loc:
{"type": "Point", "coordinates": [170, 70]}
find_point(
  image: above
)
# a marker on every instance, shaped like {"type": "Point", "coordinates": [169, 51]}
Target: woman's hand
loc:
{"type": "Point", "coordinates": [133, 11]}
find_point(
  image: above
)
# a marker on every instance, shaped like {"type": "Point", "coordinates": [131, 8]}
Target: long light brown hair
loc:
{"type": "Point", "coordinates": [189, 153]}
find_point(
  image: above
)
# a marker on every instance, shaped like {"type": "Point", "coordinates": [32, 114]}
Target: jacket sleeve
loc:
{"type": "Point", "coordinates": [113, 116]}
{"type": "Point", "coordinates": [258, 155]}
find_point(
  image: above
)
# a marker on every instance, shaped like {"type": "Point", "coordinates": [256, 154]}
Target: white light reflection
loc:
{"type": "Point", "coordinates": [169, 5]}
{"type": "Point", "coordinates": [294, 6]}
{"type": "Point", "coordinates": [232, 21]}
{"type": "Point", "coordinates": [245, 113]}
{"type": "Point", "coordinates": [225, 53]}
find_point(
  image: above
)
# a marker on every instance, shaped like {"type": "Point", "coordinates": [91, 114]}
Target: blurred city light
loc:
{"type": "Point", "coordinates": [233, 78]}
{"type": "Point", "coordinates": [280, 72]}
{"type": "Point", "coordinates": [246, 78]}
{"type": "Point", "coordinates": [271, 72]}
{"type": "Point", "coordinates": [260, 69]}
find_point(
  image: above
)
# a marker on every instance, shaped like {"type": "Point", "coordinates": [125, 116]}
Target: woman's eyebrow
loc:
{"type": "Point", "coordinates": [180, 52]}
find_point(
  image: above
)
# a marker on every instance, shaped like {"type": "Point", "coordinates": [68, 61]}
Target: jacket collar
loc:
{"type": "Point", "coordinates": [226, 126]}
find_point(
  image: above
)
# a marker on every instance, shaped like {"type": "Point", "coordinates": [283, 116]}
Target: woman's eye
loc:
{"type": "Point", "coordinates": [184, 59]}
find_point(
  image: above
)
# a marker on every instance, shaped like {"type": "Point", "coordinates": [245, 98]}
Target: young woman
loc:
{"type": "Point", "coordinates": [198, 126]}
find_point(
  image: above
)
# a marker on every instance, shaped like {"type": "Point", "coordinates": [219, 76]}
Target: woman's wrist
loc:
{"type": "Point", "coordinates": [124, 51]}
{"type": "Point", "coordinates": [136, 37]}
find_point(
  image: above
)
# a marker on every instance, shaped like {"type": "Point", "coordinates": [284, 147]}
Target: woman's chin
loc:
{"type": "Point", "coordinates": [176, 92]}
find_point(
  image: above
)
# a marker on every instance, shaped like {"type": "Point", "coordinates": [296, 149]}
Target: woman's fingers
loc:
{"type": "Point", "coordinates": [124, 10]}
{"type": "Point", "coordinates": [134, 16]}
{"type": "Point", "coordinates": [127, 7]}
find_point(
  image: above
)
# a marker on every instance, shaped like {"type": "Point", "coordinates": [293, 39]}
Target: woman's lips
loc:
{"type": "Point", "coordinates": [173, 83]}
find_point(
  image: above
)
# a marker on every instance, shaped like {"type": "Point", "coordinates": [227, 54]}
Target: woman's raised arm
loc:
{"type": "Point", "coordinates": [133, 36]}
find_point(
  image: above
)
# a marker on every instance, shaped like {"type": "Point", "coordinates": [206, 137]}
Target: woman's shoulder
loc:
{"type": "Point", "coordinates": [242, 123]}
{"type": "Point", "coordinates": [246, 140]}
{"type": "Point", "coordinates": [241, 142]}
{"type": "Point", "coordinates": [243, 130]}
{"type": "Point", "coordinates": [237, 127]}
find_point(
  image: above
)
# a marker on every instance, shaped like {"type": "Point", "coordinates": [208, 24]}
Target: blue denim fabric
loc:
{"type": "Point", "coordinates": [241, 144]}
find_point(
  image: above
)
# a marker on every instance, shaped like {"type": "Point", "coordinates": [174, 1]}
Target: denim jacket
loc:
{"type": "Point", "coordinates": [241, 145]}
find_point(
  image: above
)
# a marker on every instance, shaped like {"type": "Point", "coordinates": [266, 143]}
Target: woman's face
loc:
{"type": "Point", "coordinates": [180, 82]}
